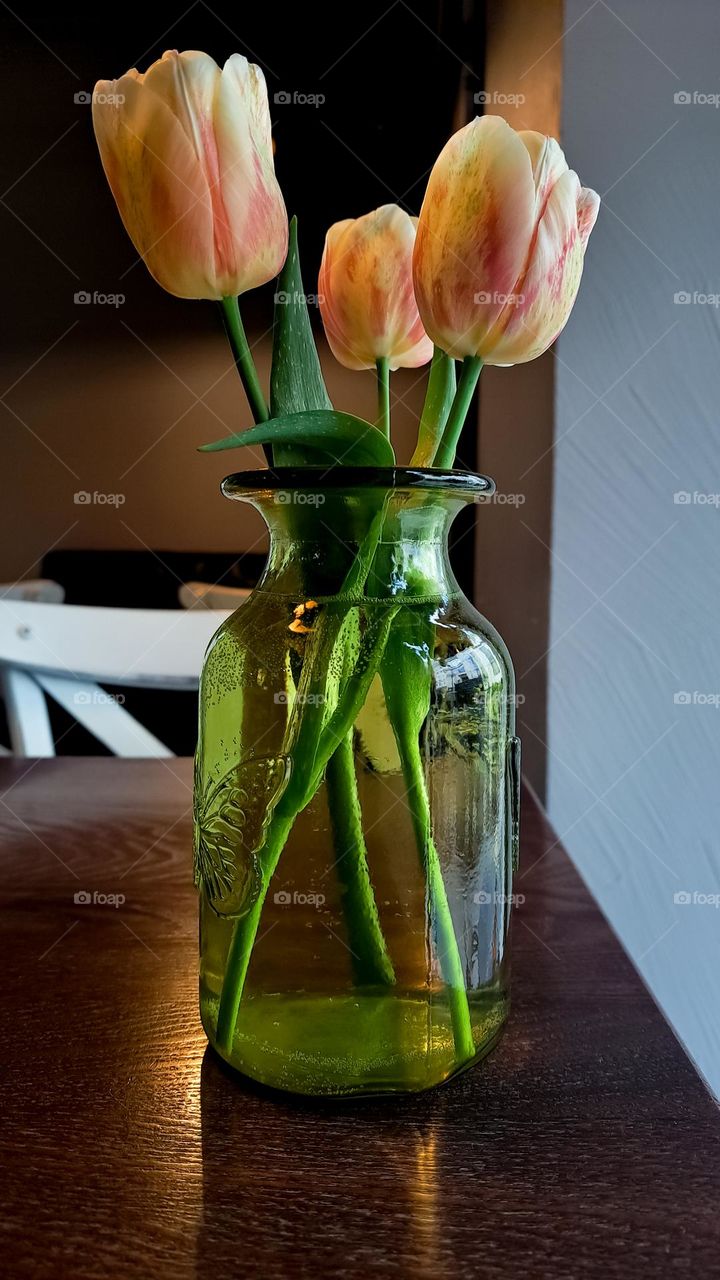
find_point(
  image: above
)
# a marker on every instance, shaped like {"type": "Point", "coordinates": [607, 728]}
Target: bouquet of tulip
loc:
{"type": "Point", "coordinates": [487, 274]}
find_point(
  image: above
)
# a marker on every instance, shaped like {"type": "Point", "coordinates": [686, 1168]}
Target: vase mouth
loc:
{"type": "Point", "coordinates": [463, 484]}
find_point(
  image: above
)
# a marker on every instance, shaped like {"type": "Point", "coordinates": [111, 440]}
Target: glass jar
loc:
{"type": "Point", "coordinates": [356, 793]}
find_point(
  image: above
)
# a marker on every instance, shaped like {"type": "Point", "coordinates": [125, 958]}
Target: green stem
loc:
{"type": "Point", "coordinates": [439, 397]}
{"type": "Point", "coordinates": [297, 796]}
{"type": "Point", "coordinates": [245, 364]}
{"type": "Point", "coordinates": [245, 930]}
{"type": "Point", "coordinates": [371, 961]}
{"type": "Point", "coordinates": [447, 947]}
{"type": "Point", "coordinates": [445, 455]}
{"type": "Point", "coordinates": [383, 388]}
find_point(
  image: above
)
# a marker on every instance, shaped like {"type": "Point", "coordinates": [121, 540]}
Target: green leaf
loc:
{"type": "Point", "coordinates": [296, 380]}
{"type": "Point", "coordinates": [331, 438]}
{"type": "Point", "coordinates": [438, 400]}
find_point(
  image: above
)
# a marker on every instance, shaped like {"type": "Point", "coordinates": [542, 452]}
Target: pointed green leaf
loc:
{"type": "Point", "coordinates": [296, 380]}
{"type": "Point", "coordinates": [328, 438]}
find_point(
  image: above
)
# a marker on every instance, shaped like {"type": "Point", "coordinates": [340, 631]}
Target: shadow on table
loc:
{"type": "Point", "coordinates": [303, 1184]}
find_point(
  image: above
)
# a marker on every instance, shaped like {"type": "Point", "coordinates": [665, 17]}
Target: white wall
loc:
{"type": "Point", "coordinates": [634, 777]}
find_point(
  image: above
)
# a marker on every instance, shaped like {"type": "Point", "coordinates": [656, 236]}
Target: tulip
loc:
{"type": "Point", "coordinates": [500, 243]}
{"type": "Point", "coordinates": [187, 151]}
{"type": "Point", "coordinates": [366, 293]}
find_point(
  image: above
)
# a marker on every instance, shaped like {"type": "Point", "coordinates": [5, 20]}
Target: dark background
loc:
{"type": "Point", "coordinates": [393, 77]}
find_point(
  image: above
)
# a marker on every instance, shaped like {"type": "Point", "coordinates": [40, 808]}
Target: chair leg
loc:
{"type": "Point", "coordinates": [27, 714]}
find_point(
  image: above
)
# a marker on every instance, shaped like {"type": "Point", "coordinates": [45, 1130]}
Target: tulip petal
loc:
{"type": "Point", "coordinates": [548, 163]}
{"type": "Point", "coordinates": [366, 293]}
{"type": "Point", "coordinates": [587, 211]}
{"type": "Point", "coordinates": [475, 226]}
{"type": "Point", "coordinates": [544, 295]}
{"type": "Point", "coordinates": [187, 84]}
{"type": "Point", "coordinates": [159, 189]}
{"type": "Point", "coordinates": [252, 236]}
{"type": "Point", "coordinates": [187, 152]}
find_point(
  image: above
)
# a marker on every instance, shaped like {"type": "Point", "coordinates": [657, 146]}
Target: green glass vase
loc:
{"type": "Point", "coordinates": [356, 794]}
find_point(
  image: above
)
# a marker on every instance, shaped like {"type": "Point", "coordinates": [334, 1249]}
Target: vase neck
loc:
{"type": "Point", "coordinates": [391, 544]}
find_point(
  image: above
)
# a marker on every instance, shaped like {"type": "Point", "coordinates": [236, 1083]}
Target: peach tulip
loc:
{"type": "Point", "coordinates": [500, 243]}
{"type": "Point", "coordinates": [366, 292]}
{"type": "Point", "coordinates": [187, 151]}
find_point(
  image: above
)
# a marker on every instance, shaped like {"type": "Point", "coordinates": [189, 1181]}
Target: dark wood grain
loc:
{"type": "Point", "coordinates": [584, 1146]}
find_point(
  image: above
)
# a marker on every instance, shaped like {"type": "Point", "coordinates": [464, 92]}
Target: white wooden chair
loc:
{"type": "Point", "coordinates": [67, 651]}
{"type": "Point", "coordinates": [44, 589]}
{"type": "Point", "coordinates": [207, 595]}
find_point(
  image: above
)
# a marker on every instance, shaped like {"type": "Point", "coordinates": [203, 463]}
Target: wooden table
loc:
{"type": "Point", "coordinates": [584, 1146]}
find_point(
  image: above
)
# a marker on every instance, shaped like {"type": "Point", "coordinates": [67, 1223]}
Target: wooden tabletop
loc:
{"type": "Point", "coordinates": [585, 1145]}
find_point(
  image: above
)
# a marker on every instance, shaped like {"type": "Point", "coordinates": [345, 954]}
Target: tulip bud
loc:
{"type": "Point", "coordinates": [500, 243]}
{"type": "Point", "coordinates": [366, 293]}
{"type": "Point", "coordinates": [187, 151]}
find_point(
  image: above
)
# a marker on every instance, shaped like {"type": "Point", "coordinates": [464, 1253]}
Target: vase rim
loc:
{"type": "Point", "coordinates": [468, 484]}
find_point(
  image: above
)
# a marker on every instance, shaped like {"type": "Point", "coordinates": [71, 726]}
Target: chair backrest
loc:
{"type": "Point", "coordinates": [207, 595]}
{"type": "Point", "coordinates": [40, 589]}
{"type": "Point", "coordinates": [68, 651]}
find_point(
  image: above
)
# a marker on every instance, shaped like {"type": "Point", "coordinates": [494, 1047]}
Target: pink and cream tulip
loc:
{"type": "Point", "coordinates": [500, 243]}
{"type": "Point", "coordinates": [366, 292]}
{"type": "Point", "coordinates": [187, 151]}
